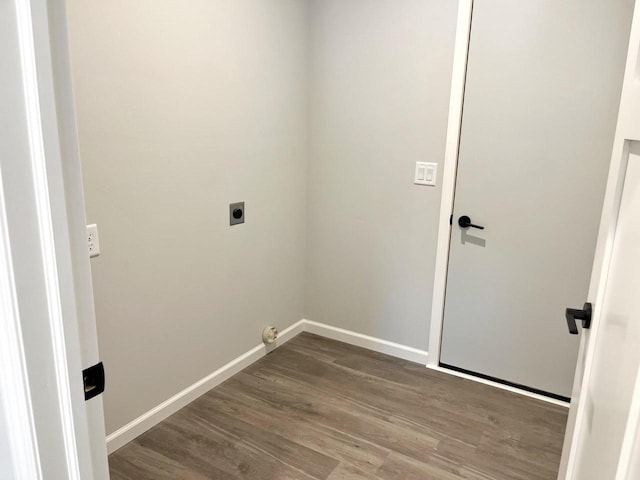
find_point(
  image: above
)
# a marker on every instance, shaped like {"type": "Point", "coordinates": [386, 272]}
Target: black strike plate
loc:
{"type": "Point", "coordinates": [93, 380]}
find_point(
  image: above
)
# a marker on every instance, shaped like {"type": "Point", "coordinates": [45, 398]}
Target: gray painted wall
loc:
{"type": "Point", "coordinates": [380, 77]}
{"type": "Point", "coordinates": [183, 109]}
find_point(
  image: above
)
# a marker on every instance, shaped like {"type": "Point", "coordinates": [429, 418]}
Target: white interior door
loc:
{"type": "Point", "coordinates": [617, 350]}
{"type": "Point", "coordinates": [603, 431]}
{"type": "Point", "coordinates": [541, 99]}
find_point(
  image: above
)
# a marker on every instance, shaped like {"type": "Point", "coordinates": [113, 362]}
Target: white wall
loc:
{"type": "Point", "coordinates": [182, 109]}
{"type": "Point", "coordinates": [379, 93]}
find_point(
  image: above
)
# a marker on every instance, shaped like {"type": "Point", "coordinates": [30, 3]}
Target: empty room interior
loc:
{"type": "Point", "coordinates": [358, 239]}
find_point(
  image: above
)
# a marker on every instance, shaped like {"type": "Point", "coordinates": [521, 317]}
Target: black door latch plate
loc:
{"type": "Point", "coordinates": [93, 380]}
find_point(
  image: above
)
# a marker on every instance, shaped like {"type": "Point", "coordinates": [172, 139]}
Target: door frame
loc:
{"type": "Point", "coordinates": [53, 432]}
{"type": "Point", "coordinates": [14, 378]}
{"type": "Point", "coordinates": [449, 173]}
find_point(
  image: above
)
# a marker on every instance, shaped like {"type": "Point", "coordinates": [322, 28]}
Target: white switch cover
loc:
{"type": "Point", "coordinates": [93, 242]}
{"type": "Point", "coordinates": [426, 173]}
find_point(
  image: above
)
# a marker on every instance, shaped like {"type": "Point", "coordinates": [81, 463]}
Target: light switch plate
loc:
{"type": "Point", "coordinates": [426, 173]}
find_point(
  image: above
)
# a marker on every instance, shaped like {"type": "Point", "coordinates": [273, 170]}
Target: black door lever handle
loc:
{"type": "Point", "coordinates": [573, 314]}
{"type": "Point", "coordinates": [465, 222]}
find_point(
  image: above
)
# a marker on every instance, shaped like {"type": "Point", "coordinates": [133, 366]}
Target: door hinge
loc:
{"type": "Point", "coordinates": [93, 380]}
{"type": "Point", "coordinates": [451, 219]}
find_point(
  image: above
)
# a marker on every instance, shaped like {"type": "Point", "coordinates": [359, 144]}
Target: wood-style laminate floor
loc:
{"type": "Point", "coordinates": [320, 409]}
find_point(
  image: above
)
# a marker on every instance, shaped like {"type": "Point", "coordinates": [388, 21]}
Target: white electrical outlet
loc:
{"type": "Point", "coordinates": [93, 242]}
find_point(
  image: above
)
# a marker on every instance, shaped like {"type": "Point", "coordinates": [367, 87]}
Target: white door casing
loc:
{"type": "Point", "coordinates": [76, 219]}
{"type": "Point", "coordinates": [19, 456]}
{"type": "Point", "coordinates": [43, 233]}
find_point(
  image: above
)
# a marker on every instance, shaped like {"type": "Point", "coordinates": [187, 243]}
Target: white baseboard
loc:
{"type": "Point", "coordinates": [137, 427]}
{"type": "Point", "coordinates": [154, 416]}
{"type": "Point", "coordinates": [365, 341]}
